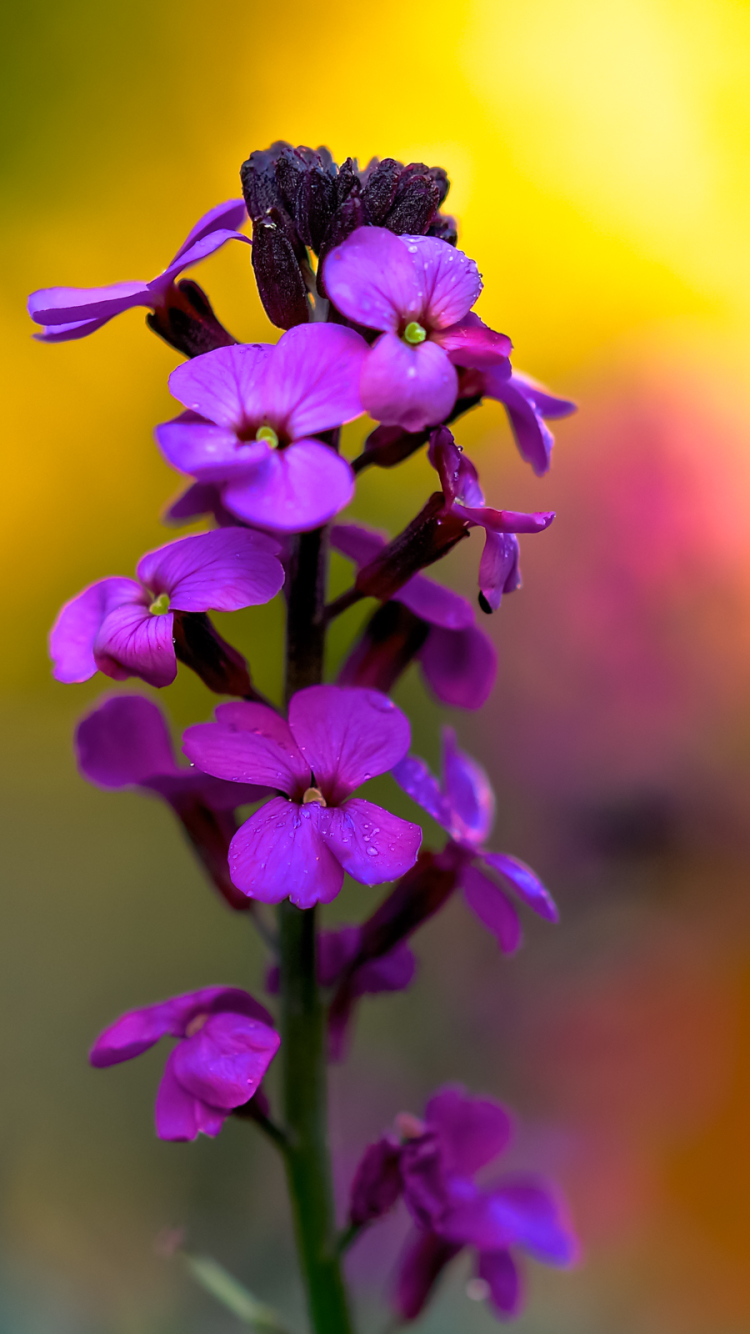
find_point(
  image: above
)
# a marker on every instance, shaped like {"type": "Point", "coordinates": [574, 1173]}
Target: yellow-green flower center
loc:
{"type": "Point", "coordinates": [313, 794]}
{"type": "Point", "coordinates": [160, 605]}
{"type": "Point", "coordinates": [414, 333]}
{"type": "Point", "coordinates": [267, 433]}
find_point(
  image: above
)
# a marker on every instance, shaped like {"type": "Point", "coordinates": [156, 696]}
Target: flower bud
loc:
{"type": "Point", "coordinates": [278, 273]}
{"type": "Point", "coordinates": [185, 319]}
{"type": "Point", "coordinates": [432, 534]}
{"type": "Point", "coordinates": [199, 645]}
{"type": "Point", "coordinates": [377, 1181]}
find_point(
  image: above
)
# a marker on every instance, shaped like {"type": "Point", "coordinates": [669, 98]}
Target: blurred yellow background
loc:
{"type": "Point", "coordinates": [599, 160]}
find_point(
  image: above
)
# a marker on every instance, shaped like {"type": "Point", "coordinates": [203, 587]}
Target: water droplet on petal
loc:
{"type": "Point", "coordinates": [372, 852]}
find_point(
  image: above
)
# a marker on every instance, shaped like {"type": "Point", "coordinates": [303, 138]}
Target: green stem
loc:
{"type": "Point", "coordinates": [303, 1028]}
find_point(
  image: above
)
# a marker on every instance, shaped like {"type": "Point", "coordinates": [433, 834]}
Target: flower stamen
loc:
{"type": "Point", "coordinates": [160, 605]}
{"type": "Point", "coordinates": [414, 333]}
{"type": "Point", "coordinates": [313, 794]}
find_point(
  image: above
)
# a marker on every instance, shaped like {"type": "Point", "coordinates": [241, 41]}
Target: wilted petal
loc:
{"type": "Point", "coordinates": [471, 343]}
{"type": "Point", "coordinates": [72, 637]}
{"type": "Point", "coordinates": [460, 666]}
{"type": "Point", "coordinates": [124, 742]}
{"type": "Point", "coordinates": [223, 570]}
{"type": "Point", "coordinates": [224, 385]}
{"type": "Point", "coordinates": [420, 1267]}
{"type": "Point", "coordinates": [493, 908]}
{"type": "Point", "coordinates": [225, 1061]}
{"type": "Point", "coordinates": [408, 386]}
{"type": "Point", "coordinates": [473, 1131]}
{"type": "Point", "coordinates": [498, 567]}
{"type": "Point", "coordinates": [212, 453]}
{"type": "Point", "coordinates": [180, 1115]}
{"type": "Point", "coordinates": [525, 882]}
{"type": "Point", "coordinates": [133, 642]}
{"type": "Point", "coordinates": [64, 305]}
{"type": "Point", "coordinates": [413, 775]}
{"type": "Point", "coordinates": [468, 790]}
{"type": "Point", "coordinates": [279, 853]}
{"type": "Point", "coordinates": [293, 489]}
{"type": "Point", "coordinates": [371, 279]}
{"type": "Point", "coordinates": [249, 743]}
{"type": "Point", "coordinates": [312, 380]}
{"type": "Point", "coordinates": [500, 1271]}
{"type": "Point", "coordinates": [347, 735]}
{"type": "Point", "coordinates": [369, 842]}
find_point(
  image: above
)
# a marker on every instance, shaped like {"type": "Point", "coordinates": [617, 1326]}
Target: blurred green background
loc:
{"type": "Point", "coordinates": [598, 153]}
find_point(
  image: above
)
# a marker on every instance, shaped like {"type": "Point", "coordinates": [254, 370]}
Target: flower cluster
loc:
{"type": "Point", "coordinates": [361, 271]}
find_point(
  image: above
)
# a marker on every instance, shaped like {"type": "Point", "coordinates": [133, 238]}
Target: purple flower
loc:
{"type": "Point", "coordinates": [300, 844]}
{"type": "Point", "coordinates": [253, 411]}
{"type": "Point", "coordinates": [228, 1042]}
{"type": "Point", "coordinates": [432, 1163]}
{"type": "Point", "coordinates": [125, 628]}
{"type": "Point", "coordinates": [73, 312]}
{"type": "Point", "coordinates": [125, 743]}
{"type": "Point", "coordinates": [498, 567]}
{"type": "Point", "coordinates": [435, 625]}
{"type": "Point", "coordinates": [418, 290]}
{"type": "Point", "coordinates": [464, 804]}
{"type": "Point", "coordinates": [528, 405]}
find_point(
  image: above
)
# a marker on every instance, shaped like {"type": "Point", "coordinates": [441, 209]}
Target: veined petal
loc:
{"type": "Point", "coordinates": [132, 642]}
{"type": "Point", "coordinates": [413, 387]}
{"type": "Point", "coordinates": [293, 489]}
{"type": "Point", "coordinates": [473, 1131]}
{"type": "Point", "coordinates": [222, 570]}
{"type": "Point", "coordinates": [180, 1115]}
{"type": "Point", "coordinates": [413, 775]}
{"type": "Point", "coordinates": [224, 386]}
{"type": "Point", "coordinates": [450, 282]}
{"type": "Point", "coordinates": [369, 842]}
{"type": "Point", "coordinates": [460, 666]}
{"type": "Point", "coordinates": [493, 908]}
{"type": "Point", "coordinates": [469, 342]}
{"type": "Point", "coordinates": [249, 743]}
{"type": "Point", "coordinates": [311, 383]}
{"type": "Point", "coordinates": [347, 735]}
{"type": "Point", "coordinates": [371, 279]}
{"type": "Point", "coordinates": [525, 882]}
{"type": "Point", "coordinates": [63, 305]}
{"type": "Point", "coordinates": [211, 453]}
{"type": "Point", "coordinates": [468, 790]}
{"type": "Point", "coordinates": [279, 853]}
{"type": "Point", "coordinates": [72, 637]}
{"type": "Point", "coordinates": [225, 1061]}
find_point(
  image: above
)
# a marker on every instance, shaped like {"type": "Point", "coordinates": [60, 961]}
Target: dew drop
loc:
{"type": "Point", "coordinates": [372, 852]}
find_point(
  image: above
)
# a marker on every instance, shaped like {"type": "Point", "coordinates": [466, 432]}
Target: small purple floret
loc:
{"type": "Point", "coordinates": [227, 1044]}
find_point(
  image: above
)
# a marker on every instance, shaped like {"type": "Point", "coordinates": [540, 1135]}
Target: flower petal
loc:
{"type": "Point", "coordinates": [436, 604]}
{"type": "Point", "coordinates": [506, 521]}
{"type": "Point", "coordinates": [468, 790]}
{"type": "Point", "coordinates": [66, 333]}
{"type": "Point", "coordinates": [473, 1131]}
{"type": "Point", "coordinates": [124, 742]}
{"type": "Point", "coordinates": [199, 250]}
{"type": "Point", "coordinates": [222, 217]}
{"type": "Point", "coordinates": [460, 666]}
{"type": "Point", "coordinates": [279, 853]}
{"type": "Point", "coordinates": [420, 1266]}
{"type": "Point", "coordinates": [179, 1115]}
{"type": "Point", "coordinates": [500, 1271]}
{"type": "Point", "coordinates": [224, 386]}
{"type": "Point", "coordinates": [471, 343]}
{"type": "Point", "coordinates": [293, 489]}
{"type": "Point", "coordinates": [64, 305]}
{"type": "Point", "coordinates": [413, 387]}
{"type": "Point", "coordinates": [72, 637]}
{"type": "Point", "coordinates": [132, 642]}
{"type": "Point", "coordinates": [526, 884]}
{"type": "Point", "coordinates": [449, 280]}
{"type": "Point", "coordinates": [498, 567]}
{"type": "Point", "coordinates": [369, 842]}
{"type": "Point", "coordinates": [347, 735]}
{"type": "Point", "coordinates": [311, 383]}
{"type": "Point", "coordinates": [532, 1208]}
{"type": "Point", "coordinates": [493, 908]}
{"type": "Point", "coordinates": [224, 1062]}
{"type": "Point", "coordinates": [249, 743]}
{"type": "Point", "coordinates": [136, 1031]}
{"type": "Point", "coordinates": [360, 544]}
{"type": "Point", "coordinates": [222, 570]}
{"type": "Point", "coordinates": [413, 775]}
{"type": "Point", "coordinates": [211, 453]}
{"type": "Point", "coordinates": [372, 280]}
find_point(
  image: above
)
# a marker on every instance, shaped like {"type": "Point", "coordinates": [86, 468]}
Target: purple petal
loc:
{"type": "Point", "coordinates": [506, 521]}
{"type": "Point", "coordinates": [531, 1207]}
{"type": "Point", "coordinates": [212, 453]}
{"type": "Point", "coordinates": [66, 333]}
{"type": "Point", "coordinates": [407, 386]}
{"type": "Point", "coordinates": [394, 972]}
{"type": "Point", "coordinates": [224, 385]}
{"type": "Point", "coordinates": [468, 790]}
{"type": "Point", "coordinates": [227, 216]}
{"type": "Point", "coordinates": [279, 853]}
{"type": "Point", "coordinates": [436, 604]}
{"type": "Point", "coordinates": [473, 1131]}
{"type": "Point", "coordinates": [493, 908]}
{"type": "Point", "coordinates": [425, 1186]}
{"type": "Point", "coordinates": [65, 305]}
{"type": "Point", "coordinates": [72, 637]}
{"type": "Point", "coordinates": [133, 642]}
{"type": "Point", "coordinates": [312, 380]}
{"type": "Point", "coordinates": [293, 489]}
{"type": "Point", "coordinates": [450, 282]}
{"type": "Point", "coordinates": [223, 570]}
{"type": "Point", "coordinates": [136, 1031]}
{"type": "Point", "coordinates": [526, 884]}
{"type": "Point", "coordinates": [471, 343]}
{"type": "Point", "coordinates": [547, 405]}
{"type": "Point", "coordinates": [372, 280]}
{"type": "Point", "coordinates": [369, 842]}
{"type": "Point", "coordinates": [377, 1181]}
{"type": "Point", "coordinates": [532, 437]}
{"type": "Point", "coordinates": [360, 544]}
{"type": "Point", "coordinates": [458, 476]}
{"type": "Point", "coordinates": [179, 1115]}
{"type": "Point", "coordinates": [199, 250]}
{"type": "Point", "coordinates": [460, 666]}
{"type": "Point", "coordinates": [347, 735]}
{"type": "Point", "coordinates": [336, 950]}
{"type": "Point", "coordinates": [500, 1272]}
{"type": "Point", "coordinates": [249, 743]}
{"type": "Point", "coordinates": [124, 742]}
{"type": "Point", "coordinates": [413, 775]}
{"type": "Point", "coordinates": [419, 1269]}
{"type": "Point", "coordinates": [200, 498]}
{"type": "Point", "coordinates": [225, 1061]}
{"type": "Point", "coordinates": [498, 567]}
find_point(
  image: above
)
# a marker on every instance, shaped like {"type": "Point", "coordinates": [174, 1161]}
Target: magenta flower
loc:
{"type": "Point", "coordinates": [125, 743]}
{"type": "Point", "coordinates": [432, 1163]}
{"type": "Point", "coordinates": [227, 1044]}
{"type": "Point", "coordinates": [125, 628]}
{"type": "Point", "coordinates": [299, 844]}
{"type": "Point", "coordinates": [418, 291]}
{"type": "Point", "coordinates": [464, 804]}
{"type": "Point", "coordinates": [528, 405]}
{"type": "Point", "coordinates": [253, 413]}
{"type": "Point", "coordinates": [436, 626]}
{"type": "Point", "coordinates": [73, 312]}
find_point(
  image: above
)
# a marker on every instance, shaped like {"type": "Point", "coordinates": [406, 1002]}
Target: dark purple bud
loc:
{"type": "Point", "coordinates": [380, 190]}
{"type": "Point", "coordinates": [347, 181]}
{"type": "Point", "coordinates": [423, 1178]}
{"type": "Point", "coordinates": [185, 319]}
{"type": "Point", "coordinates": [258, 175]}
{"type": "Point", "coordinates": [432, 534]}
{"type": "Point", "coordinates": [444, 227]}
{"type": "Point", "coordinates": [377, 1181]}
{"type": "Point", "coordinates": [315, 204]}
{"type": "Point", "coordinates": [278, 273]}
{"type": "Point", "coordinates": [199, 645]}
{"type": "Point", "coordinates": [390, 641]}
{"type": "Point", "coordinates": [419, 194]}
{"type": "Point", "coordinates": [345, 220]}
